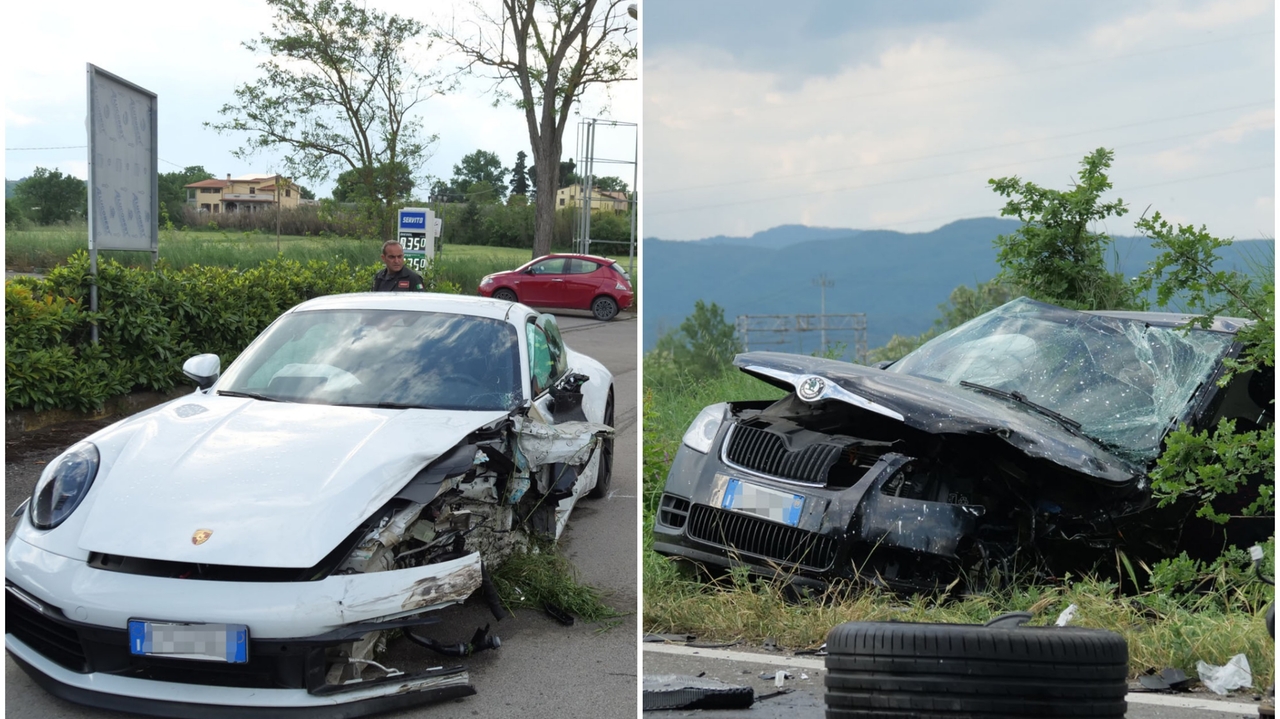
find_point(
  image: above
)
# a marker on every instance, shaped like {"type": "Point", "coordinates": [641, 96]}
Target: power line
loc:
{"type": "Point", "coordinates": [62, 147]}
{"type": "Point", "coordinates": [966, 171]}
{"type": "Point", "coordinates": [1267, 103]}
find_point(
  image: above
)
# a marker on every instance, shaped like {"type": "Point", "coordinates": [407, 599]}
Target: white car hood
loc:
{"type": "Point", "coordinates": [278, 484]}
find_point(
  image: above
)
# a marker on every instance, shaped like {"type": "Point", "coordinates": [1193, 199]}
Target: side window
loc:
{"type": "Point", "coordinates": [581, 267]}
{"type": "Point", "coordinates": [541, 366]}
{"type": "Point", "coordinates": [550, 267]}
{"type": "Point", "coordinates": [555, 345]}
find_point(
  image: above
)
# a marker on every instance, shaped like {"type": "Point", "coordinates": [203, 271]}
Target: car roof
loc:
{"type": "Point", "coordinates": [418, 302]}
{"type": "Point", "coordinates": [1230, 325]}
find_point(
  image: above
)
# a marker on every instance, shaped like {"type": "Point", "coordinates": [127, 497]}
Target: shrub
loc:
{"type": "Point", "coordinates": [149, 322]}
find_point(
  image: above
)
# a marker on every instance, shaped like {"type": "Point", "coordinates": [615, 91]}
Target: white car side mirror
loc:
{"type": "Point", "coordinates": [203, 369]}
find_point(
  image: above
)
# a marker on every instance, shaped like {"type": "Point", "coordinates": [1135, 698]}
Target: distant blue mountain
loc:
{"type": "Point", "coordinates": [781, 236]}
{"type": "Point", "coordinates": [897, 279]}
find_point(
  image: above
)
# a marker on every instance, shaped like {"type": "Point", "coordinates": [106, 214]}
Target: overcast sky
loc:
{"type": "Point", "coordinates": [893, 115]}
{"type": "Point", "coordinates": [194, 60]}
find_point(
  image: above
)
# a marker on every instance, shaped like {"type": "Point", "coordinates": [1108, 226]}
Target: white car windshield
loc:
{"type": "Point", "coordinates": [1122, 380]}
{"type": "Point", "coordinates": [382, 358]}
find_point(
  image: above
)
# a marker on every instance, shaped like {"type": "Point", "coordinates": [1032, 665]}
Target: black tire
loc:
{"type": "Point", "coordinates": [890, 670]}
{"type": "Point", "coordinates": [605, 472]}
{"type": "Point", "coordinates": [504, 294]}
{"type": "Point", "coordinates": [604, 308]}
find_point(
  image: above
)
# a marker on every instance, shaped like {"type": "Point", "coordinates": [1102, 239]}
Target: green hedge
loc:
{"type": "Point", "coordinates": [149, 323]}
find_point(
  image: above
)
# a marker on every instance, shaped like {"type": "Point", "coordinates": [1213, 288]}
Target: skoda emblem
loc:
{"type": "Point", "coordinates": [201, 536]}
{"type": "Point", "coordinates": [811, 388]}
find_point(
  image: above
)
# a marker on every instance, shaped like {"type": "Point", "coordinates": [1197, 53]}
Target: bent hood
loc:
{"type": "Point", "coordinates": [277, 484]}
{"type": "Point", "coordinates": [937, 408]}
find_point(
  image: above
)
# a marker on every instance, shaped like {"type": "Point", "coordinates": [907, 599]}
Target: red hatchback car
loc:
{"type": "Point", "coordinates": [575, 282]}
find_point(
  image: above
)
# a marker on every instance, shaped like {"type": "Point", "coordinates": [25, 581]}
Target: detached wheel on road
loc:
{"type": "Point", "coordinates": [604, 308]}
{"type": "Point", "coordinates": [890, 670]}
{"type": "Point", "coordinates": [605, 471]}
{"type": "Point", "coordinates": [505, 294]}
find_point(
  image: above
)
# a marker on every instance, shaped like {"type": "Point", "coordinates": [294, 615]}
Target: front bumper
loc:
{"type": "Point", "coordinates": [839, 533]}
{"type": "Point", "coordinates": [66, 625]}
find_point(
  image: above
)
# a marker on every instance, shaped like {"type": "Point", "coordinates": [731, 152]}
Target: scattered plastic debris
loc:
{"type": "Point", "coordinates": [1168, 679]}
{"type": "Point", "coordinates": [681, 638]}
{"type": "Point", "coordinates": [673, 691]}
{"type": "Point", "coordinates": [1234, 674]}
{"type": "Point", "coordinates": [1067, 615]}
{"type": "Point", "coordinates": [774, 675]}
{"type": "Point", "coordinates": [558, 614]}
{"type": "Point", "coordinates": [771, 695]}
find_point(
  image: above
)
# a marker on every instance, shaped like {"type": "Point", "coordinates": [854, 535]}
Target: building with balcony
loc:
{"type": "Point", "coordinates": [246, 193]}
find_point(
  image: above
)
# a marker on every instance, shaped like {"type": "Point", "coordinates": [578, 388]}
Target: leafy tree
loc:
{"type": "Point", "coordinates": [48, 196]}
{"type": "Point", "coordinates": [609, 184]}
{"type": "Point", "coordinates": [480, 175]}
{"type": "Point", "coordinates": [552, 51]}
{"type": "Point", "coordinates": [704, 345]}
{"type": "Point", "coordinates": [1230, 469]}
{"type": "Point", "coordinates": [1055, 257]}
{"type": "Point", "coordinates": [336, 92]}
{"type": "Point", "coordinates": [172, 187]}
{"type": "Point", "coordinates": [520, 176]}
{"type": "Point", "coordinates": [393, 181]}
{"type": "Point", "coordinates": [568, 174]}
{"type": "Point", "coordinates": [14, 217]}
{"type": "Point", "coordinates": [306, 193]}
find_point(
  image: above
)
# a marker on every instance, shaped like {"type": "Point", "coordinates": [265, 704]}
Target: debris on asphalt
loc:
{"type": "Point", "coordinates": [771, 695]}
{"type": "Point", "coordinates": [674, 691]}
{"type": "Point", "coordinates": [658, 638]}
{"type": "Point", "coordinates": [1168, 679]}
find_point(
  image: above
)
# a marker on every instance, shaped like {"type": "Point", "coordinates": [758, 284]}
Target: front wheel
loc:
{"type": "Point", "coordinates": [604, 471]}
{"type": "Point", "coordinates": [505, 294]}
{"type": "Point", "coordinates": [604, 308]}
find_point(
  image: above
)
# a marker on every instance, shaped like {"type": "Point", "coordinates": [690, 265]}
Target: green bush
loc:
{"type": "Point", "coordinates": [149, 323]}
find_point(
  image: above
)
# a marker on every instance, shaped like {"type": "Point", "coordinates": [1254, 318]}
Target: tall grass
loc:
{"type": "Point", "coordinates": [1162, 630]}
{"type": "Point", "coordinates": [45, 247]}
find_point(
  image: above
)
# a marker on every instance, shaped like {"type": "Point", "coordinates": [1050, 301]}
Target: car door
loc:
{"type": "Point", "coordinates": [556, 438]}
{"type": "Point", "coordinates": [580, 283]}
{"type": "Point", "coordinates": [540, 285]}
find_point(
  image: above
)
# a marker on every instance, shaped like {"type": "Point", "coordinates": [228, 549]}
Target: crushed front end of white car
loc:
{"type": "Point", "coordinates": [245, 550]}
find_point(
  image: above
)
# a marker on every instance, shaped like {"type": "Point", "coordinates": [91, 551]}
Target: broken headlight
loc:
{"type": "Point", "coordinates": [702, 433]}
{"type": "Point", "coordinates": [63, 485]}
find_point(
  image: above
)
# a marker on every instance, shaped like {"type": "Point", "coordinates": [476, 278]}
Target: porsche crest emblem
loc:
{"type": "Point", "coordinates": [811, 388]}
{"type": "Point", "coordinates": [201, 536]}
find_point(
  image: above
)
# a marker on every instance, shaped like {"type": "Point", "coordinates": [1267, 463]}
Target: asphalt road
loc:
{"type": "Point", "coordinates": [543, 669]}
{"type": "Point", "coordinates": [742, 666]}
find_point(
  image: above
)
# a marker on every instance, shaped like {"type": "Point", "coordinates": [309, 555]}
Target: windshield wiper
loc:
{"type": "Point", "coordinates": [387, 405]}
{"type": "Point", "coordinates": [1021, 399]}
{"type": "Point", "coordinates": [248, 395]}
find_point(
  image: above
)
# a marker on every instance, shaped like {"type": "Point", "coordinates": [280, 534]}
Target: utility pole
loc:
{"type": "Point", "coordinates": [823, 283]}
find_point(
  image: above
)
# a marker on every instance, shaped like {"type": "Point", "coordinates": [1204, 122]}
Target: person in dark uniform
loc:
{"type": "Point", "coordinates": [395, 277]}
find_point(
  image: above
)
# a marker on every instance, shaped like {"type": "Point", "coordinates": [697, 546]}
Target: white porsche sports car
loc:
{"type": "Point", "coordinates": [241, 551]}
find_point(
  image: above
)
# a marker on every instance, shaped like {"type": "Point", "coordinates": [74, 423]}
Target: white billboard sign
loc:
{"type": "Point", "coordinates": [123, 197]}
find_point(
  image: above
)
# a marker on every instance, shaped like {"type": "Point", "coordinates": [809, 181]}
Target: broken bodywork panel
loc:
{"type": "Point", "coordinates": [1023, 436]}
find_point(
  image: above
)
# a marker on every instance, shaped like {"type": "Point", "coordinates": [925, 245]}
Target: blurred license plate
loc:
{"type": "Point", "coordinates": [764, 502]}
{"type": "Point", "coordinates": [203, 642]}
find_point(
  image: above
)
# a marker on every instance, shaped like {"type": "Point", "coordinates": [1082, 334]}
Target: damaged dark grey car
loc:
{"type": "Point", "coordinates": [1021, 438]}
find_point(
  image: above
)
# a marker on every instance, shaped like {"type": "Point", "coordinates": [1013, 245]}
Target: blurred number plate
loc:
{"type": "Point", "coordinates": [771, 504]}
{"type": "Point", "coordinates": [204, 642]}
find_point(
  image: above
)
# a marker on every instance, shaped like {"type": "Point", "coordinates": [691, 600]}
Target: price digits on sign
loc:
{"type": "Point", "coordinates": [415, 243]}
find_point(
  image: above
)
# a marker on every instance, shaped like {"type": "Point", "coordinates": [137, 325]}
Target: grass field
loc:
{"type": "Point", "coordinates": [44, 247]}
{"type": "Point", "coordinates": [1161, 630]}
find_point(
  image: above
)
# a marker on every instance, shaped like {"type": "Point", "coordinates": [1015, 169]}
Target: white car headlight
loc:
{"type": "Point", "coordinates": [486, 281]}
{"type": "Point", "coordinates": [702, 433]}
{"type": "Point", "coordinates": [63, 485]}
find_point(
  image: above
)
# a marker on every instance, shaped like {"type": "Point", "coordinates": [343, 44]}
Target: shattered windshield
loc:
{"type": "Point", "coordinates": [388, 358]}
{"type": "Point", "coordinates": [1122, 380]}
